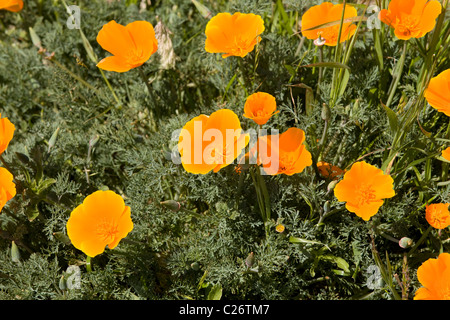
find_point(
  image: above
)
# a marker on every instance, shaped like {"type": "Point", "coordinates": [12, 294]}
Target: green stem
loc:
{"type": "Point", "coordinates": [397, 74]}
{"type": "Point", "coordinates": [119, 103]}
{"type": "Point", "coordinates": [88, 264]}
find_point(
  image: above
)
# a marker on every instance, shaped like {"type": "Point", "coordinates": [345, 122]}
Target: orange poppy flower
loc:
{"type": "Point", "coordinates": [328, 12]}
{"type": "Point", "coordinates": [434, 276]}
{"type": "Point", "coordinates": [438, 92]}
{"type": "Point", "coordinates": [437, 215]}
{"type": "Point", "coordinates": [11, 5]}
{"type": "Point", "coordinates": [233, 35]}
{"type": "Point", "coordinates": [101, 220]}
{"type": "Point", "coordinates": [329, 171]}
{"type": "Point", "coordinates": [284, 153]}
{"type": "Point", "coordinates": [131, 45]}
{"type": "Point", "coordinates": [363, 188]}
{"type": "Point", "coordinates": [6, 133]}
{"type": "Point", "coordinates": [260, 107]}
{"type": "Point", "coordinates": [411, 18]}
{"type": "Point", "coordinates": [446, 154]}
{"type": "Point", "coordinates": [7, 187]}
{"type": "Point", "coordinates": [211, 142]}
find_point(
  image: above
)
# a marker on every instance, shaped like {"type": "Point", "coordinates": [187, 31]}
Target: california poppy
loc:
{"type": "Point", "coordinates": [438, 92]}
{"type": "Point", "coordinates": [233, 35]}
{"type": "Point", "coordinates": [411, 18]}
{"type": "Point", "coordinates": [329, 171]}
{"type": "Point", "coordinates": [434, 276]}
{"type": "Point", "coordinates": [11, 5]}
{"type": "Point", "coordinates": [260, 107]}
{"type": "Point", "coordinates": [6, 133]}
{"type": "Point", "coordinates": [363, 188]}
{"type": "Point", "coordinates": [211, 142]}
{"type": "Point", "coordinates": [131, 45]}
{"type": "Point", "coordinates": [437, 215]}
{"type": "Point", "coordinates": [283, 153]}
{"type": "Point", "coordinates": [101, 220]}
{"type": "Point", "coordinates": [7, 187]}
{"type": "Point", "coordinates": [446, 154]}
{"type": "Point", "coordinates": [325, 13]}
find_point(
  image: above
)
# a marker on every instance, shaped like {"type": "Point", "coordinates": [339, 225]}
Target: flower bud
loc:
{"type": "Point", "coordinates": [171, 205]}
{"type": "Point", "coordinates": [250, 260]}
{"type": "Point", "coordinates": [405, 242]}
{"type": "Point", "coordinates": [331, 185]}
{"type": "Point", "coordinates": [15, 253]}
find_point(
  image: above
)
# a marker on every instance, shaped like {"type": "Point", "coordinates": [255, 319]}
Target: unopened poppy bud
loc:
{"type": "Point", "coordinates": [172, 205]}
{"type": "Point", "coordinates": [326, 207]}
{"type": "Point", "coordinates": [250, 260]}
{"type": "Point", "coordinates": [331, 185]}
{"type": "Point", "coordinates": [61, 237]}
{"type": "Point", "coordinates": [204, 11]}
{"type": "Point", "coordinates": [405, 242]}
{"type": "Point", "coordinates": [15, 253]}
{"type": "Point", "coordinates": [62, 283]}
{"type": "Point", "coordinates": [52, 140]}
{"type": "Point", "coordinates": [195, 266]}
{"type": "Point", "coordinates": [326, 112]}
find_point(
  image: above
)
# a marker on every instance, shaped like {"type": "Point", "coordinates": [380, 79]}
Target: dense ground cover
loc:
{"type": "Point", "coordinates": [79, 129]}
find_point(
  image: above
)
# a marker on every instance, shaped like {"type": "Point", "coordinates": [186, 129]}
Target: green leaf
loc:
{"type": "Point", "coordinates": [340, 262]}
{"type": "Point", "coordinates": [392, 117]}
{"type": "Point", "coordinates": [215, 293]}
{"type": "Point", "coordinates": [304, 241]}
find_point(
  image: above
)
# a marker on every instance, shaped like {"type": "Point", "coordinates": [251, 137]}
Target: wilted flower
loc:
{"type": "Point", "coordinates": [438, 92]}
{"type": "Point", "coordinates": [284, 153]}
{"type": "Point", "coordinates": [101, 220]}
{"type": "Point", "coordinates": [260, 107]}
{"type": "Point", "coordinates": [6, 133]}
{"type": "Point", "coordinates": [131, 45]}
{"type": "Point", "coordinates": [233, 35]}
{"type": "Point", "coordinates": [329, 171]}
{"type": "Point", "coordinates": [437, 215]}
{"type": "Point", "coordinates": [165, 47]}
{"type": "Point", "coordinates": [11, 5]}
{"type": "Point", "coordinates": [7, 187]}
{"type": "Point", "coordinates": [328, 13]}
{"type": "Point", "coordinates": [363, 188]}
{"type": "Point", "coordinates": [434, 276]}
{"type": "Point", "coordinates": [411, 18]}
{"type": "Point", "coordinates": [211, 142]}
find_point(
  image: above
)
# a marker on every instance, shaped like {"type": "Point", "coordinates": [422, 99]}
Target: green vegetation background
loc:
{"type": "Point", "coordinates": [124, 144]}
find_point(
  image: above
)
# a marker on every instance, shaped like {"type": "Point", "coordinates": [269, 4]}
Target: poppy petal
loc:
{"type": "Point", "coordinates": [143, 35]}
{"type": "Point", "coordinates": [116, 39]}
{"type": "Point", "coordinates": [114, 63]}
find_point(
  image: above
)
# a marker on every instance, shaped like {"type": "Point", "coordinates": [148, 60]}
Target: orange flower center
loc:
{"type": "Point", "coordinates": [366, 195]}
{"type": "Point", "coordinates": [408, 25]}
{"type": "Point", "coordinates": [241, 46]}
{"type": "Point", "coordinates": [286, 161]}
{"type": "Point", "coordinates": [135, 57]}
{"type": "Point", "coordinates": [107, 231]}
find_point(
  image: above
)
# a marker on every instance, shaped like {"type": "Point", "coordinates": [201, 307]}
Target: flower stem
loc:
{"type": "Point", "coordinates": [88, 264]}
{"type": "Point", "coordinates": [397, 75]}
